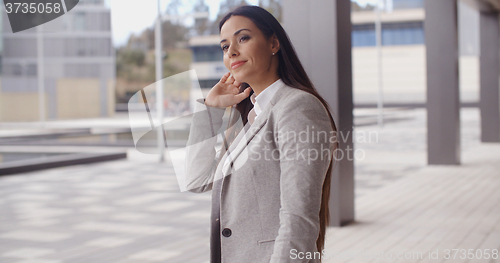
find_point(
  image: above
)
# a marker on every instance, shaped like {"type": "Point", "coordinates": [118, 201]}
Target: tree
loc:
{"type": "Point", "coordinates": [173, 7]}
{"type": "Point", "coordinates": [355, 7]}
{"type": "Point", "coordinates": [172, 34]}
{"type": "Point", "coordinates": [225, 7]}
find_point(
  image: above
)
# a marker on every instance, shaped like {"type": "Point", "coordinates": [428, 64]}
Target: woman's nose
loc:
{"type": "Point", "coordinates": [232, 52]}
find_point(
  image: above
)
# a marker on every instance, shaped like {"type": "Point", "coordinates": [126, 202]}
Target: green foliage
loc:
{"type": "Point", "coordinates": [137, 66]}
{"type": "Point", "coordinates": [135, 57]}
{"type": "Point", "coordinates": [356, 7]}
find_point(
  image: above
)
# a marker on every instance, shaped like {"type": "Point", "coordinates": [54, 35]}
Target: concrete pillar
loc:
{"type": "Point", "coordinates": [443, 104]}
{"type": "Point", "coordinates": [489, 76]}
{"type": "Point", "coordinates": [320, 31]}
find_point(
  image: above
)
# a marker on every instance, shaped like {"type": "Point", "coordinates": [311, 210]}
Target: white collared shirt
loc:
{"type": "Point", "coordinates": [259, 104]}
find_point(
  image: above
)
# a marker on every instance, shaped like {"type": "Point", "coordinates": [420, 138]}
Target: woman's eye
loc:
{"type": "Point", "coordinates": [225, 47]}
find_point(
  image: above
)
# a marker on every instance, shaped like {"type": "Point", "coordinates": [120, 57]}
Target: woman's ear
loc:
{"type": "Point", "coordinates": [275, 44]}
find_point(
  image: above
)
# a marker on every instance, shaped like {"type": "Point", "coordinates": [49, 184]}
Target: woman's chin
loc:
{"type": "Point", "coordinates": [238, 78]}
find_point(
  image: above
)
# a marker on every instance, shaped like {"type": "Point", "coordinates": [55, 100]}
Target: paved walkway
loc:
{"type": "Point", "coordinates": [132, 211]}
{"type": "Point", "coordinates": [433, 209]}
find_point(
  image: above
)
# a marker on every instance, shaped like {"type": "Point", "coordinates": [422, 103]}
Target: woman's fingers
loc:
{"type": "Point", "coordinates": [229, 90]}
{"type": "Point", "coordinates": [241, 96]}
{"type": "Point", "coordinates": [235, 90]}
{"type": "Point", "coordinates": [230, 80]}
{"type": "Point", "coordinates": [224, 77]}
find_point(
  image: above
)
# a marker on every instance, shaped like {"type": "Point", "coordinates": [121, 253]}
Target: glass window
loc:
{"type": "Point", "coordinates": [82, 70]}
{"type": "Point", "coordinates": [14, 70]}
{"type": "Point", "coordinates": [94, 47]}
{"type": "Point", "coordinates": [363, 35]}
{"type": "Point", "coordinates": [19, 48]}
{"type": "Point", "coordinates": [81, 48]}
{"type": "Point", "coordinates": [92, 2]}
{"type": "Point", "coordinates": [79, 22]}
{"type": "Point", "coordinates": [105, 21]}
{"type": "Point", "coordinates": [207, 53]}
{"type": "Point", "coordinates": [208, 84]}
{"type": "Point", "coordinates": [31, 70]}
{"type": "Point", "coordinates": [411, 33]}
{"type": "Point", "coordinates": [408, 33]}
{"type": "Point", "coordinates": [406, 4]}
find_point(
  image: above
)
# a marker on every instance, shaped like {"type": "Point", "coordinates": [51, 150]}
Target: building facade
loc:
{"type": "Point", "coordinates": [207, 59]}
{"type": "Point", "coordinates": [404, 54]}
{"type": "Point", "coordinates": [78, 67]}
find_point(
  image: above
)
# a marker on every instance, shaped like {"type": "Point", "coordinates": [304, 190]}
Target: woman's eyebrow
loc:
{"type": "Point", "coordinates": [236, 33]}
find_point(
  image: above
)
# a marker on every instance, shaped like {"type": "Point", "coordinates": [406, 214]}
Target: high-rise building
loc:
{"type": "Point", "coordinates": [78, 66]}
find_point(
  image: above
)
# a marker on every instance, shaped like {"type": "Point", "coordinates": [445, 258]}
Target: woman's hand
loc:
{"type": "Point", "coordinates": [226, 93]}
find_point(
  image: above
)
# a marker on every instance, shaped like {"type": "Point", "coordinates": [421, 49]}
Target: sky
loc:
{"type": "Point", "coordinates": [133, 16]}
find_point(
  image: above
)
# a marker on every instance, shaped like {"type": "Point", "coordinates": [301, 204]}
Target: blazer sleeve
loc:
{"type": "Point", "coordinates": [304, 163]}
{"type": "Point", "coordinates": [201, 157]}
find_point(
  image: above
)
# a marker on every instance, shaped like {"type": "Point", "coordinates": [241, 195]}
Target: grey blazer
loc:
{"type": "Point", "coordinates": [269, 197]}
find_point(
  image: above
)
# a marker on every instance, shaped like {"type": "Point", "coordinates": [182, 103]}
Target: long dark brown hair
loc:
{"type": "Point", "coordinates": [292, 73]}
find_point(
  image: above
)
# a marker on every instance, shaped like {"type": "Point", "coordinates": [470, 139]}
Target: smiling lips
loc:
{"type": "Point", "coordinates": [237, 64]}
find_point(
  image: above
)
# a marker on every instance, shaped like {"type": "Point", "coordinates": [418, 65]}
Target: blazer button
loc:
{"type": "Point", "coordinates": [226, 232]}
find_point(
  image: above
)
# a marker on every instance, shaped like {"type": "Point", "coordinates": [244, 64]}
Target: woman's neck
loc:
{"type": "Point", "coordinates": [261, 86]}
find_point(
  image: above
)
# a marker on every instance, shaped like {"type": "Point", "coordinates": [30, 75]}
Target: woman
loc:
{"type": "Point", "coordinates": [270, 185]}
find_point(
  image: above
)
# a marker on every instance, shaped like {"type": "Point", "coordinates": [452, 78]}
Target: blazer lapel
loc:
{"type": "Point", "coordinates": [239, 144]}
{"type": "Point", "coordinates": [242, 144]}
{"type": "Point", "coordinates": [244, 138]}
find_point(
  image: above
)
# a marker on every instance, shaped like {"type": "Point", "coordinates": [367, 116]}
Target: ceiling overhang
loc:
{"type": "Point", "coordinates": [484, 5]}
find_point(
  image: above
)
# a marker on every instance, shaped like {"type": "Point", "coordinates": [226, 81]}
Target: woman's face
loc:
{"type": "Point", "coordinates": [247, 53]}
